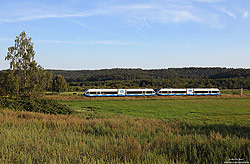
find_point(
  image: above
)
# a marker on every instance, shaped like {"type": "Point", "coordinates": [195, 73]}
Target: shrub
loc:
{"type": "Point", "coordinates": [42, 106]}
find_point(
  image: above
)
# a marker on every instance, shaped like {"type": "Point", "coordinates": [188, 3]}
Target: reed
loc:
{"type": "Point", "coordinates": [28, 137]}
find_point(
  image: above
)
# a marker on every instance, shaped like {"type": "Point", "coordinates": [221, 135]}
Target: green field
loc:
{"type": "Point", "coordinates": [193, 110]}
{"type": "Point", "coordinates": [138, 130]}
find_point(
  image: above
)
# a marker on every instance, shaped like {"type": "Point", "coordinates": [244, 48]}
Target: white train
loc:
{"type": "Point", "coordinates": [151, 92]}
{"type": "Point", "coordinates": [188, 91]}
{"type": "Point", "coordinates": [118, 92]}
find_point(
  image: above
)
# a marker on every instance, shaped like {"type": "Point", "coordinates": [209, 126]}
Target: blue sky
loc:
{"type": "Point", "coordinates": [96, 34]}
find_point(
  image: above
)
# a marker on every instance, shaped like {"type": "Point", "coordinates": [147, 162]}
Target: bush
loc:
{"type": "Point", "coordinates": [42, 106]}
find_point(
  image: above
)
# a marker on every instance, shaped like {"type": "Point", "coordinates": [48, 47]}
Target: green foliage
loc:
{"type": "Point", "coordinates": [42, 106]}
{"type": "Point", "coordinates": [223, 78]}
{"type": "Point", "coordinates": [49, 81]}
{"type": "Point", "coordinates": [170, 73]}
{"type": "Point", "coordinates": [59, 84]}
{"type": "Point", "coordinates": [27, 77]}
{"type": "Point", "coordinates": [163, 83]}
{"type": "Point", "coordinates": [37, 138]}
{"type": "Point", "coordinates": [8, 86]}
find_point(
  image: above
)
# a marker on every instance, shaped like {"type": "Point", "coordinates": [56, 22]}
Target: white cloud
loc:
{"type": "Point", "coordinates": [144, 13]}
{"type": "Point", "coordinates": [229, 13]}
{"type": "Point", "coordinates": [140, 14]}
{"type": "Point", "coordinates": [29, 12]}
{"type": "Point", "coordinates": [153, 13]}
{"type": "Point", "coordinates": [56, 15]}
{"type": "Point", "coordinates": [245, 15]}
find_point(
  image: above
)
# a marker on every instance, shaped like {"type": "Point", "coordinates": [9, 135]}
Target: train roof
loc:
{"type": "Point", "coordinates": [211, 89]}
{"type": "Point", "coordinates": [98, 90]}
{"type": "Point", "coordinates": [146, 89]}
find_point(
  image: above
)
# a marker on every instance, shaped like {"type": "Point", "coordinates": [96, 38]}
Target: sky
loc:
{"type": "Point", "coordinates": [148, 34]}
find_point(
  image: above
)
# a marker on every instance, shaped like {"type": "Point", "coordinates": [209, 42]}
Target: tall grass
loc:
{"type": "Point", "coordinates": [27, 137]}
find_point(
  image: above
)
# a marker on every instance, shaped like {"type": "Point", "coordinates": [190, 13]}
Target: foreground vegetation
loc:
{"type": "Point", "coordinates": [177, 130]}
{"type": "Point", "coordinates": [37, 138]}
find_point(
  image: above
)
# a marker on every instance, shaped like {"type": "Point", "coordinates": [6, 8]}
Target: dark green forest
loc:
{"type": "Point", "coordinates": [193, 77]}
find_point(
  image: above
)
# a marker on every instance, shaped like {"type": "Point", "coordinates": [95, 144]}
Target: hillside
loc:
{"type": "Point", "coordinates": [170, 73]}
{"type": "Point", "coordinates": [224, 78]}
{"type": "Point", "coordinates": [192, 77]}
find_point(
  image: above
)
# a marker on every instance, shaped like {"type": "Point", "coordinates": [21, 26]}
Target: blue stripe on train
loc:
{"type": "Point", "coordinates": [171, 94]}
{"type": "Point", "coordinates": [140, 94]}
{"type": "Point", "coordinates": [205, 94]}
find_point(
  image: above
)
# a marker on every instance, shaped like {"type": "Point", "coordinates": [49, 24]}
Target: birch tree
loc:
{"type": "Point", "coordinates": [27, 74]}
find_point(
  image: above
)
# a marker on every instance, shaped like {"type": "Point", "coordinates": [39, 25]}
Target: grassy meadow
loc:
{"type": "Point", "coordinates": [195, 110]}
{"type": "Point", "coordinates": [150, 130]}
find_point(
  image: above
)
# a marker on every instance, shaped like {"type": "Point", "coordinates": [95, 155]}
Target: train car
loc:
{"type": "Point", "coordinates": [118, 92]}
{"type": "Point", "coordinates": [206, 91]}
{"type": "Point", "coordinates": [172, 92]}
{"type": "Point", "coordinates": [101, 92]}
{"type": "Point", "coordinates": [188, 91]}
{"type": "Point", "coordinates": [140, 92]}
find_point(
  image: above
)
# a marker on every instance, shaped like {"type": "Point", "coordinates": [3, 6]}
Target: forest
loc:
{"type": "Point", "coordinates": [193, 77]}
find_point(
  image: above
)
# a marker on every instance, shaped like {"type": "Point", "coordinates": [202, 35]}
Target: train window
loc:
{"type": "Point", "coordinates": [92, 93]}
{"type": "Point", "coordinates": [200, 91]}
{"type": "Point", "coordinates": [134, 92]}
{"type": "Point", "coordinates": [215, 92]}
{"type": "Point", "coordinates": [166, 92]}
{"type": "Point", "coordinates": [109, 92]}
{"type": "Point", "coordinates": [178, 91]}
{"type": "Point", "coordinates": [149, 92]}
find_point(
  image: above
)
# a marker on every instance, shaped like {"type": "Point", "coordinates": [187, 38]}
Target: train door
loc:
{"type": "Point", "coordinates": [121, 92]}
{"type": "Point", "coordinates": [190, 91]}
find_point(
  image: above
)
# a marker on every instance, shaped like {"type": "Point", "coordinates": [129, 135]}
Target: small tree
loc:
{"type": "Point", "coordinates": [49, 81]}
{"type": "Point", "coordinates": [59, 84]}
{"type": "Point", "coordinates": [28, 76]}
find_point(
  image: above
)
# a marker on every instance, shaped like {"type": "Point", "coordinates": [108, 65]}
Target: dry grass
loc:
{"type": "Point", "coordinates": [27, 137]}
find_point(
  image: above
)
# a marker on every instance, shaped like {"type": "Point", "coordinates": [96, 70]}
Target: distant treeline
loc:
{"type": "Point", "coordinates": [224, 78]}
